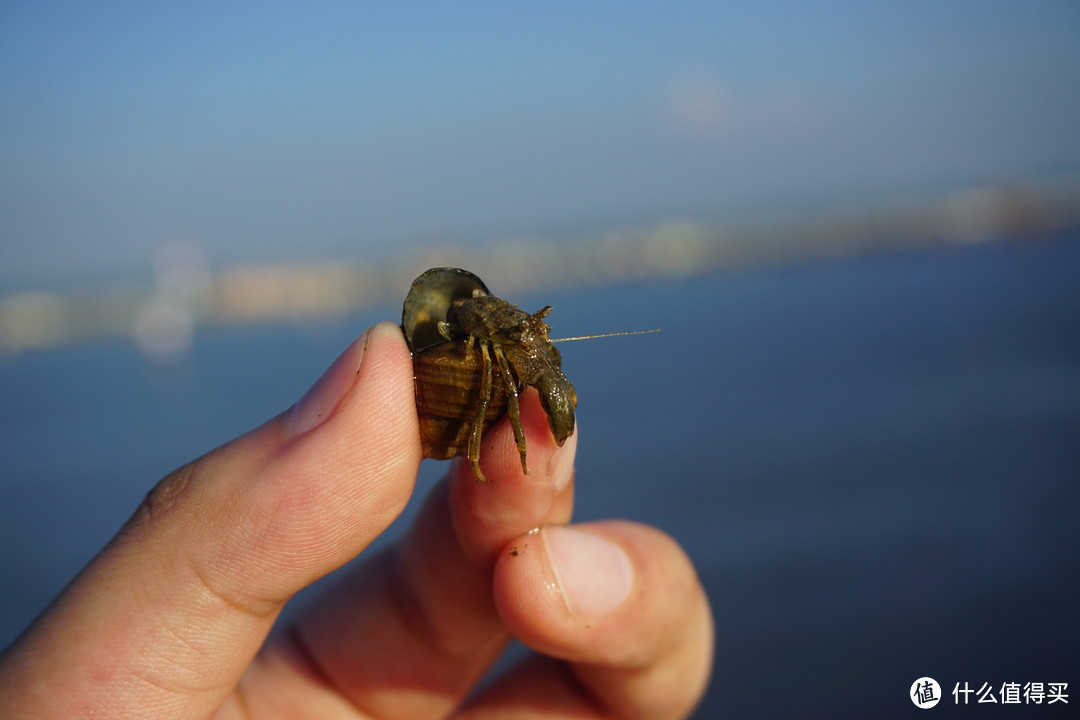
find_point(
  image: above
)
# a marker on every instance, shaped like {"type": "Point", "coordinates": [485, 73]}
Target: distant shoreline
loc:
{"type": "Point", "coordinates": [185, 294]}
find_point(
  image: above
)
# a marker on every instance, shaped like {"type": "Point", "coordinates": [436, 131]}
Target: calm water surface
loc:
{"type": "Point", "coordinates": [874, 463]}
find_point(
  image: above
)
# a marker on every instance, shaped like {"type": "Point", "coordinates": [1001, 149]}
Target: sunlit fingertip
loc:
{"type": "Point", "coordinates": [320, 401]}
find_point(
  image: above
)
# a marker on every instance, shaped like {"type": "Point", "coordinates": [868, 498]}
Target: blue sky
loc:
{"type": "Point", "coordinates": [268, 131]}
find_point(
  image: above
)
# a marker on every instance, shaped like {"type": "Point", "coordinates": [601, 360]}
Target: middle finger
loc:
{"type": "Point", "coordinates": [409, 633]}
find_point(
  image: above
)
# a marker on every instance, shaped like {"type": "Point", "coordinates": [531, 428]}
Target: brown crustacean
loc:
{"type": "Point", "coordinates": [473, 354]}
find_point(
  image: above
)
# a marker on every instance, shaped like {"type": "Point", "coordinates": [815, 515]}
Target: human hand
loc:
{"type": "Point", "coordinates": [171, 619]}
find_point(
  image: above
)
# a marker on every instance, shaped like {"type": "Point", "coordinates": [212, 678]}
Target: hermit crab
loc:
{"type": "Point", "coordinates": [473, 354]}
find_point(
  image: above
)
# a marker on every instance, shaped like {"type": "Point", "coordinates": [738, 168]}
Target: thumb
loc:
{"type": "Point", "coordinates": [165, 619]}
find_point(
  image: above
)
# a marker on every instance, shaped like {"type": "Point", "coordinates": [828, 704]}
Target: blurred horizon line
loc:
{"type": "Point", "coordinates": [184, 294]}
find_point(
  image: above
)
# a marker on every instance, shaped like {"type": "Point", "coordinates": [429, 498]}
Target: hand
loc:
{"type": "Point", "coordinates": [171, 619]}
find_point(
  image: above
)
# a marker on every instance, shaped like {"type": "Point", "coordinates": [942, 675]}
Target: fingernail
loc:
{"type": "Point", "coordinates": [594, 574]}
{"type": "Point", "coordinates": [320, 401]}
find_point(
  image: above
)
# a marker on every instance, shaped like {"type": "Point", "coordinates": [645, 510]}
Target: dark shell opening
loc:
{"type": "Point", "coordinates": [428, 300]}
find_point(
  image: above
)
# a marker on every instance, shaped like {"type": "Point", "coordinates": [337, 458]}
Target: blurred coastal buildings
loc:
{"type": "Point", "coordinates": [161, 317]}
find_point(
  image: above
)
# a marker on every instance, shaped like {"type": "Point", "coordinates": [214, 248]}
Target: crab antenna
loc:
{"type": "Point", "coordinates": [604, 335]}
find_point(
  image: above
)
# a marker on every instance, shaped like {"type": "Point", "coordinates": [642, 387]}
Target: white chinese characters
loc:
{"type": "Point", "coordinates": [1013, 693]}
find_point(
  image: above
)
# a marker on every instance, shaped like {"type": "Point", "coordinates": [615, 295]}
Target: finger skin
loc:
{"type": "Point", "coordinates": [487, 515]}
{"type": "Point", "coordinates": [409, 635]}
{"type": "Point", "coordinates": [650, 658]}
{"type": "Point", "coordinates": [163, 622]}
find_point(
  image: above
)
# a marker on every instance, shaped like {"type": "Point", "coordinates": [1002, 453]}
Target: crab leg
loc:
{"type": "Point", "coordinates": [477, 429]}
{"type": "Point", "coordinates": [512, 405]}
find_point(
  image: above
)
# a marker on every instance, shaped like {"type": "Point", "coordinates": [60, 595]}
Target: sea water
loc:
{"type": "Point", "coordinates": [874, 462]}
